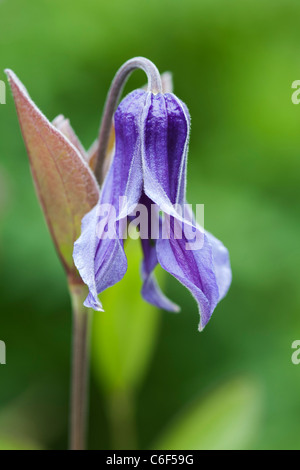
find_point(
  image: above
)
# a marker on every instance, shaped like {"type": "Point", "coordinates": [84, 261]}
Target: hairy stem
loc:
{"type": "Point", "coordinates": [80, 368]}
{"type": "Point", "coordinates": [118, 83]}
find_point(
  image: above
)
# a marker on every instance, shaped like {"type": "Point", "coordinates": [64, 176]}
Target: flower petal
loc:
{"type": "Point", "coordinates": [193, 268]}
{"type": "Point", "coordinates": [203, 268]}
{"type": "Point", "coordinates": [84, 256]}
{"type": "Point", "coordinates": [151, 291]}
{"type": "Point", "coordinates": [99, 258]}
{"type": "Point", "coordinates": [166, 133]}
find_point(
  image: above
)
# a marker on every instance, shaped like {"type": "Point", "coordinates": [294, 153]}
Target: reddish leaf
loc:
{"type": "Point", "coordinates": [64, 126]}
{"type": "Point", "coordinates": [66, 187]}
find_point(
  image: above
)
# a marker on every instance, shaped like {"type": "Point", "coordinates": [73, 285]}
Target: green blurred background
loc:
{"type": "Point", "coordinates": [234, 385]}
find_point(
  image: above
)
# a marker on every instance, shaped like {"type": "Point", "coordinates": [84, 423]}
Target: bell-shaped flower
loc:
{"type": "Point", "coordinates": [149, 170]}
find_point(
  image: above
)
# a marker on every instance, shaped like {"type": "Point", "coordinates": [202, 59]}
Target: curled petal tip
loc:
{"type": "Point", "coordinates": [94, 303]}
{"type": "Point", "coordinates": [176, 309]}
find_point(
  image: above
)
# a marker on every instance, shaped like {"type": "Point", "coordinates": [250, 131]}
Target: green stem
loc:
{"type": "Point", "coordinates": [80, 368]}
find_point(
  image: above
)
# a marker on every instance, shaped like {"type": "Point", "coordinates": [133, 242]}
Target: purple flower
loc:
{"type": "Point", "coordinates": [149, 167]}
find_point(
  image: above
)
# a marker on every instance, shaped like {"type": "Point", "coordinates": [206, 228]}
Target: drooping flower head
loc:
{"type": "Point", "coordinates": [149, 169]}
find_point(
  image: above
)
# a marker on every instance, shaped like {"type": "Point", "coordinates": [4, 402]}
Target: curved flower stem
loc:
{"type": "Point", "coordinates": [118, 83]}
{"type": "Point", "coordinates": [80, 367]}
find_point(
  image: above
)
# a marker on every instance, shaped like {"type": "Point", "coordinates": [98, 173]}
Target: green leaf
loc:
{"type": "Point", "coordinates": [124, 335]}
{"type": "Point", "coordinates": [226, 419]}
{"type": "Point", "coordinates": [66, 187]}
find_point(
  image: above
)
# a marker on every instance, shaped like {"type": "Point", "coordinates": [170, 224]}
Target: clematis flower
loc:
{"type": "Point", "coordinates": [149, 168]}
